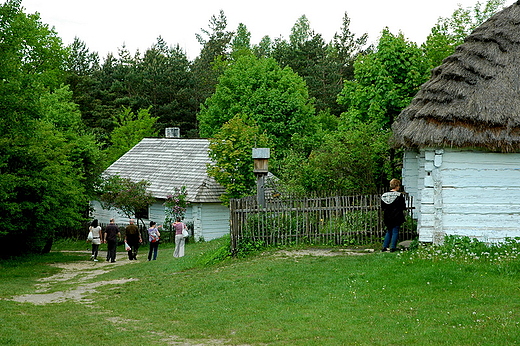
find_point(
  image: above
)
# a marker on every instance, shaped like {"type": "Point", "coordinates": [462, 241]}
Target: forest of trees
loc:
{"type": "Point", "coordinates": [324, 108]}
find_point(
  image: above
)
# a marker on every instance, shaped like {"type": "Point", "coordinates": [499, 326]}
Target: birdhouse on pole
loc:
{"type": "Point", "coordinates": [260, 158]}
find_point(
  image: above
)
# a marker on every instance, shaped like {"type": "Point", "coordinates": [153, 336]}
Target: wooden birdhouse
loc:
{"type": "Point", "coordinates": [260, 158]}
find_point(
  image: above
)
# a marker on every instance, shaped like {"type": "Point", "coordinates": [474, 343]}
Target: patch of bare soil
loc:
{"type": "Point", "coordinates": [323, 252]}
{"type": "Point", "coordinates": [76, 276]}
{"type": "Point", "coordinates": [176, 341]}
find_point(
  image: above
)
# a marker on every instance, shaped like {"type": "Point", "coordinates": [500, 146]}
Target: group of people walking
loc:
{"type": "Point", "coordinates": [393, 206]}
{"type": "Point", "coordinates": [133, 240]}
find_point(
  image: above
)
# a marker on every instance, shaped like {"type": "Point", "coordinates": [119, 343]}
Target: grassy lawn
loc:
{"type": "Point", "coordinates": [412, 298]}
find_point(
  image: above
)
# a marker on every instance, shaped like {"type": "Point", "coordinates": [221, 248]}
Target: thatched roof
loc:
{"type": "Point", "coordinates": [473, 99]}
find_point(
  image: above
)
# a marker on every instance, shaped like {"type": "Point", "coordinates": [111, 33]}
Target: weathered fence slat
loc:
{"type": "Point", "coordinates": [339, 220]}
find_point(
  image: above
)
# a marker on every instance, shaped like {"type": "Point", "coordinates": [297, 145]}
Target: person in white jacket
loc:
{"type": "Point", "coordinates": [96, 239]}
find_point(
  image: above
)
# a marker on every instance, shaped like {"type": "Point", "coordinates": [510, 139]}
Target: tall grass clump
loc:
{"type": "Point", "coordinates": [218, 253]}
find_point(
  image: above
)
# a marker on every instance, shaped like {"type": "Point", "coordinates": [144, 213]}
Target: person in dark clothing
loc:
{"type": "Point", "coordinates": [133, 239]}
{"type": "Point", "coordinates": [111, 237]}
{"type": "Point", "coordinates": [393, 205]}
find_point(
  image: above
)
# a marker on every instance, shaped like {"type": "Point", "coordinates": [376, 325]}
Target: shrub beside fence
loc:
{"type": "Point", "coordinates": [339, 220]}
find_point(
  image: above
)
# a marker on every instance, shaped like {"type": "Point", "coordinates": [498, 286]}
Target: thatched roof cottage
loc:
{"type": "Point", "coordinates": [462, 138]}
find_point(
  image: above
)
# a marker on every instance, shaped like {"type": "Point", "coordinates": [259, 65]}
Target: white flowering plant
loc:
{"type": "Point", "coordinates": [464, 249]}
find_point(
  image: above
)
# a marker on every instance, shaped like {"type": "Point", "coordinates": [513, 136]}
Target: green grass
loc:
{"type": "Point", "coordinates": [424, 297]}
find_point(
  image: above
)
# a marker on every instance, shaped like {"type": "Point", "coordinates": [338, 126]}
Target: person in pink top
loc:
{"type": "Point", "coordinates": [179, 238]}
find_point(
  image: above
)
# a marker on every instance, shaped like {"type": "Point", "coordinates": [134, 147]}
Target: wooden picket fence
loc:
{"type": "Point", "coordinates": [339, 220]}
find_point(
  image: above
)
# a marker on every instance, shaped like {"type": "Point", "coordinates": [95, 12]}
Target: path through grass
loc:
{"type": "Point", "coordinates": [273, 298]}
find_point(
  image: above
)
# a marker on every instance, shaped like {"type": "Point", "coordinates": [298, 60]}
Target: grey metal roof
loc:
{"type": "Point", "coordinates": [169, 163]}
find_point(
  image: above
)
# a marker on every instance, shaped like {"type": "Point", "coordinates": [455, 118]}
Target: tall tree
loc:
{"type": "Point", "coordinates": [275, 99]}
{"type": "Point", "coordinates": [385, 81]}
{"type": "Point", "coordinates": [46, 160]}
{"type": "Point", "coordinates": [126, 77]}
{"type": "Point", "coordinates": [230, 151]}
{"type": "Point", "coordinates": [215, 44]}
{"type": "Point", "coordinates": [264, 48]}
{"type": "Point", "coordinates": [301, 32]}
{"type": "Point", "coordinates": [81, 65]}
{"type": "Point", "coordinates": [102, 92]}
{"type": "Point", "coordinates": [323, 66]}
{"type": "Point", "coordinates": [160, 79]}
{"type": "Point", "coordinates": [80, 60]}
{"type": "Point", "coordinates": [166, 83]}
{"type": "Point", "coordinates": [241, 41]}
{"type": "Point", "coordinates": [345, 49]}
{"type": "Point", "coordinates": [450, 32]}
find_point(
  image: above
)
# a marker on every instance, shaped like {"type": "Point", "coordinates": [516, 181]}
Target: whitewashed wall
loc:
{"type": "Point", "coordinates": [104, 215]}
{"type": "Point", "coordinates": [215, 221]}
{"type": "Point", "coordinates": [210, 220]}
{"type": "Point", "coordinates": [411, 173]}
{"type": "Point", "coordinates": [470, 193]}
{"type": "Point", "coordinates": [413, 178]}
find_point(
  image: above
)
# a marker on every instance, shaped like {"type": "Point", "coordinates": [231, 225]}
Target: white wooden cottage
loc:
{"type": "Point", "coordinates": [461, 134]}
{"type": "Point", "coordinates": [169, 163]}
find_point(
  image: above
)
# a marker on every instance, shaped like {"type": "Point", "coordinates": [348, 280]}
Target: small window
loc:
{"type": "Point", "coordinates": [142, 214]}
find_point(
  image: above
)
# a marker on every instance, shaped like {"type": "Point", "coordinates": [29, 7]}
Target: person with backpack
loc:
{"type": "Point", "coordinates": [153, 236]}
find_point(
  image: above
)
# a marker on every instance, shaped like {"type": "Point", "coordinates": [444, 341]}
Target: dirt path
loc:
{"type": "Point", "coordinates": [74, 275]}
{"type": "Point", "coordinates": [323, 252]}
